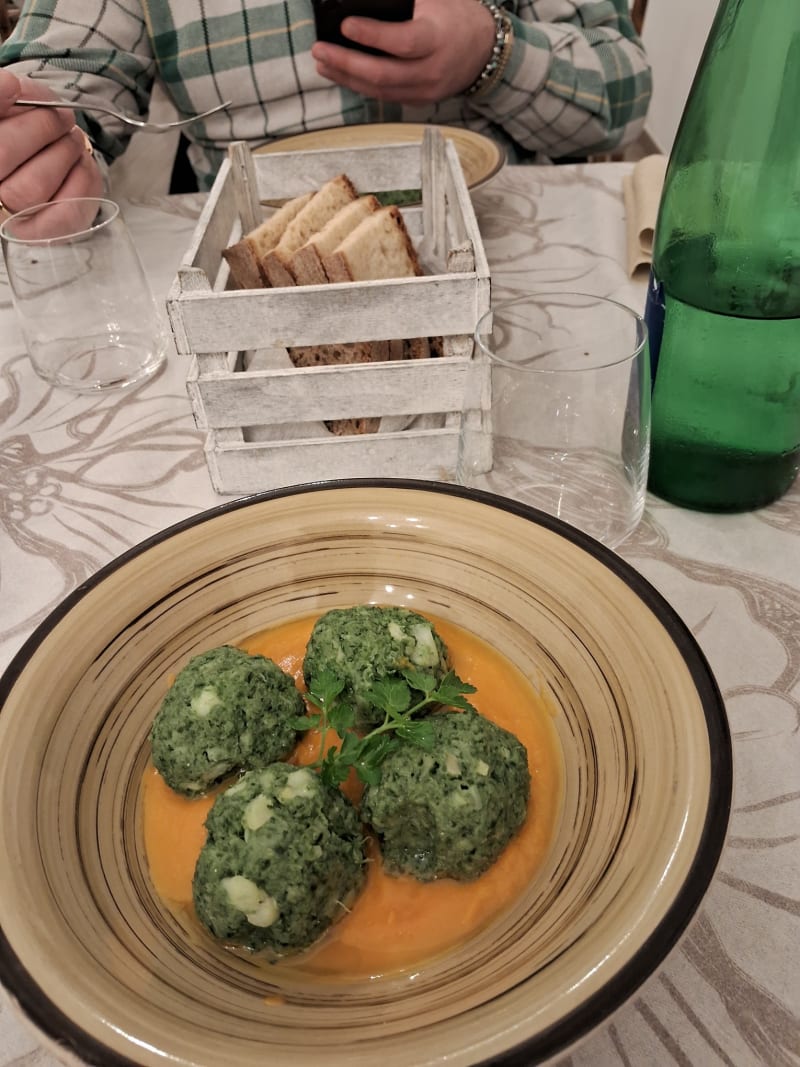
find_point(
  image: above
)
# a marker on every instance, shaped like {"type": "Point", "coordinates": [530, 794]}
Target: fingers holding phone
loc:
{"type": "Point", "coordinates": [423, 59]}
{"type": "Point", "coordinates": [329, 15]}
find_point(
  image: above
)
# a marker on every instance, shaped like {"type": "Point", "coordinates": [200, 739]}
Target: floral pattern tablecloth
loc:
{"type": "Point", "coordinates": [82, 479]}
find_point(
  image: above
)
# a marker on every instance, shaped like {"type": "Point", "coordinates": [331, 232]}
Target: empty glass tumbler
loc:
{"type": "Point", "coordinates": [81, 295]}
{"type": "Point", "coordinates": [558, 410]}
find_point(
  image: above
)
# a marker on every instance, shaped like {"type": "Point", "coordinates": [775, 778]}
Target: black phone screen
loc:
{"type": "Point", "coordinates": [328, 15]}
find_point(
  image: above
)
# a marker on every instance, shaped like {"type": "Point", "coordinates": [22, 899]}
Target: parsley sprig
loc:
{"type": "Point", "coordinates": [400, 701]}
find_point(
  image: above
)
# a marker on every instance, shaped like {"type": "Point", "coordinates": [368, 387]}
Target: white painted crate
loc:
{"type": "Point", "coordinates": [266, 426]}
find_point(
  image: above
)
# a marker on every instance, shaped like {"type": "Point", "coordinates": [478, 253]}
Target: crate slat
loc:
{"type": "Point", "coordinates": [272, 397]}
{"type": "Point", "coordinates": [242, 468]}
{"type": "Point", "coordinates": [217, 226]}
{"type": "Point", "coordinates": [378, 169]}
{"type": "Point", "coordinates": [318, 314]}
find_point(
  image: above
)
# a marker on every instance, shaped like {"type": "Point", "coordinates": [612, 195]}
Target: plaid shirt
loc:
{"type": "Point", "coordinates": [577, 80]}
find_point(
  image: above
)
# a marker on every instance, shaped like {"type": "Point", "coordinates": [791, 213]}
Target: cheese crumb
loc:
{"type": "Point", "coordinates": [260, 909]}
{"type": "Point", "coordinates": [204, 702]}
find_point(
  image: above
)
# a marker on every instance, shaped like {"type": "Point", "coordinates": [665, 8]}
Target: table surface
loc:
{"type": "Point", "coordinates": [82, 479]}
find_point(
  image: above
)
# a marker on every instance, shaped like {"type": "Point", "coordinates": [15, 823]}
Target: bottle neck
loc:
{"type": "Point", "coordinates": [745, 100]}
{"type": "Point", "coordinates": [728, 231]}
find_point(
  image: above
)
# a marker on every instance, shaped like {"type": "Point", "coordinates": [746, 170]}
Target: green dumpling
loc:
{"type": "Point", "coordinates": [368, 643]}
{"type": "Point", "coordinates": [226, 710]}
{"type": "Point", "coordinates": [283, 860]}
{"type": "Point", "coordinates": [449, 812]}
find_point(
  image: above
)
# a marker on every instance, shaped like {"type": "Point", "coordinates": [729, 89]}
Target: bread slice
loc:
{"type": "Point", "coordinates": [379, 247]}
{"type": "Point", "coordinates": [305, 265]}
{"type": "Point", "coordinates": [243, 265]}
{"type": "Point", "coordinates": [244, 256]}
{"type": "Point", "coordinates": [333, 355]}
{"type": "Point", "coordinates": [348, 427]}
{"type": "Point", "coordinates": [337, 355]}
{"type": "Point", "coordinates": [322, 206]}
{"type": "Point", "coordinates": [332, 235]}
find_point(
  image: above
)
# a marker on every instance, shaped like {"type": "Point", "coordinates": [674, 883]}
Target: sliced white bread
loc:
{"type": "Point", "coordinates": [244, 256]}
{"type": "Point", "coordinates": [305, 265]}
{"type": "Point", "coordinates": [322, 206]}
{"type": "Point", "coordinates": [379, 247]}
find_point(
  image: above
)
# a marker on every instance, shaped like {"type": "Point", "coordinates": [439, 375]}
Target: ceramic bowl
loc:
{"type": "Point", "coordinates": [104, 971]}
{"type": "Point", "coordinates": [481, 157]}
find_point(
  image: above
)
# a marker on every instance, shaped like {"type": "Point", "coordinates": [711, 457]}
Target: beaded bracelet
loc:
{"type": "Point", "coordinates": [501, 50]}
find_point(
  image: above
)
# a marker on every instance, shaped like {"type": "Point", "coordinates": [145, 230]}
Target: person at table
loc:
{"type": "Point", "coordinates": [567, 78]}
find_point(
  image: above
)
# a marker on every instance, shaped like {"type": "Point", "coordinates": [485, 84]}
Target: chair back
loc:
{"type": "Point", "coordinates": [638, 9]}
{"type": "Point", "coordinates": [9, 13]}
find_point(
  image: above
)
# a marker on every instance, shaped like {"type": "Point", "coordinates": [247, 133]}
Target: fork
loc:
{"type": "Point", "coordinates": [140, 124]}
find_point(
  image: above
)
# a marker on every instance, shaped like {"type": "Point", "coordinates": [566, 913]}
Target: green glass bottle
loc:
{"type": "Point", "coordinates": [723, 306]}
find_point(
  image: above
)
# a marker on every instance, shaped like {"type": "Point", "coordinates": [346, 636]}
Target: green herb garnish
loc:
{"type": "Point", "coordinates": [392, 696]}
{"type": "Point", "coordinates": [399, 197]}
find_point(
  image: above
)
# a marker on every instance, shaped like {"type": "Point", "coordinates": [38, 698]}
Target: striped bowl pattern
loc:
{"type": "Point", "coordinates": [103, 970]}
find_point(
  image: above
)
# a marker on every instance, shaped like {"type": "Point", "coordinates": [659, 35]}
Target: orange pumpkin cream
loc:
{"type": "Point", "coordinates": [396, 923]}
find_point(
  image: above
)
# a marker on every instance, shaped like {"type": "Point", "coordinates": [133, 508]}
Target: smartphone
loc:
{"type": "Point", "coordinates": [328, 15]}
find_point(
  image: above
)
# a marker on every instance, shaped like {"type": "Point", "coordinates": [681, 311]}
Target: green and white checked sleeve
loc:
{"type": "Point", "coordinates": [97, 52]}
{"type": "Point", "coordinates": [578, 80]}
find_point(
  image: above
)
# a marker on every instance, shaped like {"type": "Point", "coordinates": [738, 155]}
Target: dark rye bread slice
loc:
{"type": "Point", "coordinates": [244, 256]}
{"type": "Point", "coordinates": [337, 356]}
{"type": "Point", "coordinates": [323, 205]}
{"type": "Point", "coordinates": [359, 352]}
{"type": "Point", "coordinates": [305, 264]}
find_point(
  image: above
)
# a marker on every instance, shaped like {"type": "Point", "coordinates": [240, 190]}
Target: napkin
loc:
{"type": "Point", "coordinates": [641, 190]}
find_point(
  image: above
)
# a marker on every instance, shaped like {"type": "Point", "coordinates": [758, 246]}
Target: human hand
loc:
{"type": "Point", "coordinates": [43, 154]}
{"type": "Point", "coordinates": [437, 54]}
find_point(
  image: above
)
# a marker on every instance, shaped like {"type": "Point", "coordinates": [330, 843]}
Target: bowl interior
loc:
{"type": "Point", "coordinates": [481, 157]}
{"type": "Point", "coordinates": [94, 957]}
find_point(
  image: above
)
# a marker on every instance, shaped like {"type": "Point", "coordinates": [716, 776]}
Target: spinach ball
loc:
{"type": "Point", "coordinates": [226, 710]}
{"type": "Point", "coordinates": [368, 643]}
{"type": "Point", "coordinates": [283, 860]}
{"type": "Point", "coordinates": [450, 812]}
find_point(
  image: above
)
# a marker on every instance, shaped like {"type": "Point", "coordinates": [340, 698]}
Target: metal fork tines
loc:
{"type": "Point", "coordinates": [140, 124]}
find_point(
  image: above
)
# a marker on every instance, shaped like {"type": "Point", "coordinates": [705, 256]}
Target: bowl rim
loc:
{"type": "Point", "coordinates": [55, 1027]}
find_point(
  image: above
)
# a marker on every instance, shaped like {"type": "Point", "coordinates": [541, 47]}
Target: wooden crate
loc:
{"type": "Point", "coordinates": [266, 426]}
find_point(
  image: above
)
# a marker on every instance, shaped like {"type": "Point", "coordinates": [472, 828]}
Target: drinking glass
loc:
{"type": "Point", "coordinates": [558, 410]}
{"type": "Point", "coordinates": [81, 295]}
{"type": "Point", "coordinates": [5, 288]}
